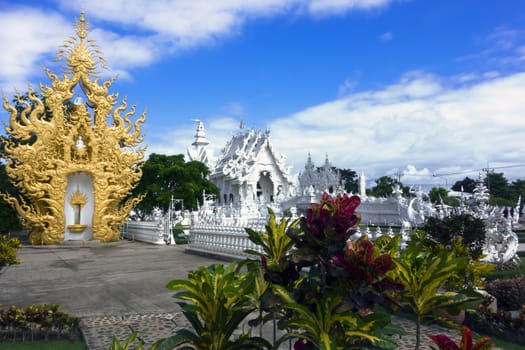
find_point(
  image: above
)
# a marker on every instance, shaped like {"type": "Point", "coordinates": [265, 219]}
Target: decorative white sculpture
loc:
{"type": "Point", "coordinates": [252, 177]}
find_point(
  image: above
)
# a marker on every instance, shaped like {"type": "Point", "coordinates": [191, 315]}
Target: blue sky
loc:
{"type": "Point", "coordinates": [416, 88]}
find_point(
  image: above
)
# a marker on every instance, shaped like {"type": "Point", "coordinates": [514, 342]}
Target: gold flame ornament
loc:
{"type": "Point", "coordinates": [77, 201]}
{"type": "Point", "coordinates": [53, 136]}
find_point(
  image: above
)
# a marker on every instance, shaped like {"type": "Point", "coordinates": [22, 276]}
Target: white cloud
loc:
{"type": "Point", "coordinates": [125, 52]}
{"type": "Point", "coordinates": [347, 86]}
{"type": "Point", "coordinates": [219, 129]}
{"type": "Point", "coordinates": [396, 126]}
{"type": "Point", "coordinates": [465, 77]}
{"type": "Point", "coordinates": [413, 176]}
{"type": "Point", "coordinates": [450, 133]}
{"type": "Point", "coordinates": [153, 29]}
{"type": "Point", "coordinates": [321, 7]}
{"type": "Point", "coordinates": [503, 46]}
{"type": "Point", "coordinates": [491, 74]}
{"type": "Point", "coordinates": [235, 109]}
{"type": "Point", "coordinates": [387, 36]}
{"type": "Point", "coordinates": [187, 23]}
{"type": "Point", "coordinates": [23, 46]}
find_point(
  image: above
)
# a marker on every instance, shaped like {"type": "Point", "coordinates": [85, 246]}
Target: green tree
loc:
{"type": "Point", "coordinates": [7, 250]}
{"type": "Point", "coordinates": [517, 189]}
{"type": "Point", "coordinates": [470, 228]}
{"type": "Point", "coordinates": [466, 185]}
{"type": "Point", "coordinates": [350, 180]}
{"type": "Point", "coordinates": [438, 194]}
{"type": "Point", "coordinates": [497, 185]}
{"type": "Point", "coordinates": [424, 273]}
{"type": "Point", "coordinates": [9, 220]}
{"type": "Point", "coordinates": [215, 301]}
{"type": "Point", "coordinates": [385, 186]}
{"type": "Point", "coordinates": [164, 177]}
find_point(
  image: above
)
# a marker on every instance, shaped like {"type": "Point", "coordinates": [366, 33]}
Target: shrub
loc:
{"type": "Point", "coordinates": [424, 273]}
{"type": "Point", "coordinates": [466, 343]}
{"type": "Point", "coordinates": [438, 236]}
{"type": "Point", "coordinates": [7, 250]}
{"type": "Point", "coordinates": [500, 324]}
{"type": "Point", "coordinates": [509, 293]}
{"type": "Point", "coordinates": [333, 304]}
{"type": "Point", "coordinates": [471, 229]}
{"type": "Point", "coordinates": [214, 301]}
{"type": "Point", "coordinates": [43, 320]}
{"type": "Point", "coordinates": [179, 235]}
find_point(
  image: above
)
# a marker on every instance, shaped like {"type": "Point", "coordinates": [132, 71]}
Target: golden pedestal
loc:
{"type": "Point", "coordinates": [76, 228]}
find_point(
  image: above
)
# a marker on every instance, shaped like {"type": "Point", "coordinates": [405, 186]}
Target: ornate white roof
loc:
{"type": "Point", "coordinates": [242, 155]}
{"type": "Point", "coordinates": [319, 179]}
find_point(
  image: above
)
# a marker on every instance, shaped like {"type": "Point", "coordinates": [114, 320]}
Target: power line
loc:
{"type": "Point", "coordinates": [457, 173]}
{"type": "Point", "coordinates": [509, 166]}
{"type": "Point", "coordinates": [480, 169]}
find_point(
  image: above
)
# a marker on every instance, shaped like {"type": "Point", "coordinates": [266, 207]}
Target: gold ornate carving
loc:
{"type": "Point", "coordinates": [78, 198]}
{"type": "Point", "coordinates": [51, 137]}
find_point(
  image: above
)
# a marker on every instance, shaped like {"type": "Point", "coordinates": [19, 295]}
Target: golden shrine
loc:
{"type": "Point", "coordinates": [73, 156]}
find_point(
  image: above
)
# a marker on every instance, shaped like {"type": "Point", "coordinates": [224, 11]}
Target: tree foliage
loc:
{"type": "Point", "coordinates": [517, 189]}
{"type": "Point", "coordinates": [9, 220]}
{"type": "Point", "coordinates": [320, 307]}
{"type": "Point", "coordinates": [469, 227]}
{"type": "Point", "coordinates": [7, 250]}
{"type": "Point", "coordinates": [424, 274]}
{"type": "Point", "coordinates": [497, 185]}
{"type": "Point", "coordinates": [350, 180]}
{"type": "Point", "coordinates": [438, 194]}
{"type": "Point", "coordinates": [213, 300]}
{"type": "Point", "coordinates": [164, 177]}
{"type": "Point", "coordinates": [502, 192]}
{"type": "Point", "coordinates": [385, 187]}
{"type": "Point", "coordinates": [465, 185]}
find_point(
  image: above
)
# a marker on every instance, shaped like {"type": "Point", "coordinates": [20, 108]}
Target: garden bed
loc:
{"type": "Point", "coordinates": [44, 345]}
{"type": "Point", "coordinates": [37, 322]}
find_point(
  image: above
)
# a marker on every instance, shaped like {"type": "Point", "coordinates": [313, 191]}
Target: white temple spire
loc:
{"type": "Point", "coordinates": [362, 185]}
{"type": "Point", "coordinates": [198, 150]}
{"type": "Point", "coordinates": [200, 134]}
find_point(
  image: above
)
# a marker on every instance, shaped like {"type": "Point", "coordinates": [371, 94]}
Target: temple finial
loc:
{"type": "Point", "coordinates": [82, 26]}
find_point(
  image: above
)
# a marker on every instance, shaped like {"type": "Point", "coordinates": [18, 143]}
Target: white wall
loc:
{"type": "Point", "coordinates": [84, 182]}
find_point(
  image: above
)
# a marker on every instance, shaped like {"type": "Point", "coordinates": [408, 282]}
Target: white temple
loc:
{"type": "Point", "coordinates": [198, 150]}
{"type": "Point", "coordinates": [251, 177]}
{"type": "Point", "coordinates": [319, 180]}
{"type": "Point", "coordinates": [248, 172]}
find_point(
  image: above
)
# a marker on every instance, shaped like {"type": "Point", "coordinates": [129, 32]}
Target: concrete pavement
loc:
{"type": "Point", "coordinates": [114, 288]}
{"type": "Point", "coordinates": [98, 279]}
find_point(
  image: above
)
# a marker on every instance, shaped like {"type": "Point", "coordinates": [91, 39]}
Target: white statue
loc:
{"type": "Point", "coordinates": [80, 143]}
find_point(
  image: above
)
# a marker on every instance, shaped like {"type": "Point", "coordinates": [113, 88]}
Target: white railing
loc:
{"type": "Point", "coordinates": [226, 241]}
{"type": "Point", "coordinates": [230, 242]}
{"type": "Point", "coordinates": [146, 231]}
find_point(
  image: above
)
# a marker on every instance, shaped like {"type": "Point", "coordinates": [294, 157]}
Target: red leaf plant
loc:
{"type": "Point", "coordinates": [333, 216]}
{"type": "Point", "coordinates": [466, 343]}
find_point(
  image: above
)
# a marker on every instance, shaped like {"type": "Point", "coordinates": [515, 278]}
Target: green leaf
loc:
{"type": "Point", "coordinates": [182, 336]}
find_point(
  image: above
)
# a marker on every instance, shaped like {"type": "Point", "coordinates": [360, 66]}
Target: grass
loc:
{"type": "Point", "coordinates": [44, 345]}
{"type": "Point", "coordinates": [505, 274]}
{"type": "Point", "coordinates": [500, 343]}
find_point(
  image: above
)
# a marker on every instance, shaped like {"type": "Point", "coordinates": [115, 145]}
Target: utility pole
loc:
{"type": "Point", "coordinates": [488, 170]}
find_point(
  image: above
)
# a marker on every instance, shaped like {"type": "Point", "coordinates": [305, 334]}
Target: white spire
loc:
{"type": "Point", "coordinates": [200, 134]}
{"type": "Point", "coordinates": [362, 185]}
{"type": "Point", "coordinates": [198, 150]}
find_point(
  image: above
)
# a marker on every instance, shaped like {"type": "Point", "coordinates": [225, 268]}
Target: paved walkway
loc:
{"type": "Point", "coordinates": [116, 288]}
